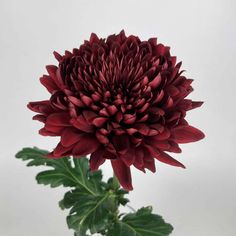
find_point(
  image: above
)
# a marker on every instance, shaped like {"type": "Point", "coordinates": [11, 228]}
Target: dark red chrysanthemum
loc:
{"type": "Point", "coordinates": [118, 98]}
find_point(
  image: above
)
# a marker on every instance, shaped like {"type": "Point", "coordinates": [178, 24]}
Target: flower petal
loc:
{"type": "Point", "coordinates": [155, 82]}
{"type": "Point", "coordinates": [100, 121]}
{"type": "Point", "coordinates": [58, 119]}
{"type": "Point", "coordinates": [187, 134]}
{"type": "Point", "coordinates": [122, 172]}
{"type": "Point", "coordinates": [48, 83]}
{"type": "Point", "coordinates": [60, 151]}
{"type": "Point", "coordinates": [43, 107]}
{"type": "Point", "coordinates": [162, 145]}
{"type": "Point", "coordinates": [164, 157]}
{"type": "Point", "coordinates": [121, 143]}
{"type": "Point", "coordinates": [53, 72]}
{"type": "Point", "coordinates": [87, 144]}
{"type": "Point", "coordinates": [41, 118]}
{"type": "Point", "coordinates": [139, 158]}
{"type": "Point", "coordinates": [93, 38]}
{"type": "Point", "coordinates": [129, 157]}
{"type": "Point", "coordinates": [97, 159]}
{"type": "Point", "coordinates": [101, 137]}
{"type": "Point", "coordinates": [45, 132]}
{"type": "Point", "coordinates": [174, 147]}
{"type": "Point", "coordinates": [195, 104]}
{"type": "Point", "coordinates": [70, 136]}
{"type": "Point", "coordinates": [81, 124]}
{"type": "Point", "coordinates": [57, 56]}
{"type": "Point", "coordinates": [89, 116]}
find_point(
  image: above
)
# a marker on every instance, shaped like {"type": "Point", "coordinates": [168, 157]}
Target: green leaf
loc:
{"type": "Point", "coordinates": [141, 223]}
{"type": "Point", "coordinates": [34, 155]}
{"type": "Point", "coordinates": [61, 171]}
{"type": "Point", "coordinates": [93, 203]}
{"type": "Point", "coordinates": [87, 211]}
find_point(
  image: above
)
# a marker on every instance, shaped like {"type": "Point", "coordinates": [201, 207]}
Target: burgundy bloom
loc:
{"type": "Point", "coordinates": [118, 98]}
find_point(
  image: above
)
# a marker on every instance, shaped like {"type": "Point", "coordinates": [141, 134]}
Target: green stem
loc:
{"type": "Point", "coordinates": [78, 181]}
{"type": "Point", "coordinates": [131, 208]}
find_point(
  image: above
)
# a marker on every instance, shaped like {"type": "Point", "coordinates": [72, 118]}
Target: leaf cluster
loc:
{"type": "Point", "coordinates": [93, 203]}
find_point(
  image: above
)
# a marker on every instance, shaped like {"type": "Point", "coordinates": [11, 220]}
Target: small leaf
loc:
{"type": "Point", "coordinates": [61, 171]}
{"type": "Point", "coordinates": [141, 223]}
{"type": "Point", "coordinates": [53, 178]}
{"type": "Point", "coordinates": [35, 156]}
{"type": "Point", "coordinates": [87, 211]}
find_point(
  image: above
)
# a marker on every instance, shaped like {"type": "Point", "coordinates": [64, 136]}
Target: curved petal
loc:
{"type": "Point", "coordinates": [58, 119]}
{"type": "Point", "coordinates": [45, 132]}
{"type": "Point", "coordinates": [149, 162]}
{"type": "Point", "coordinates": [70, 136]}
{"type": "Point", "coordinates": [129, 157]}
{"type": "Point", "coordinates": [54, 73]}
{"type": "Point", "coordinates": [60, 151]}
{"type": "Point", "coordinates": [139, 159]}
{"type": "Point", "coordinates": [87, 144]}
{"type": "Point", "coordinates": [57, 55]}
{"type": "Point", "coordinates": [155, 82]}
{"type": "Point", "coordinates": [48, 83]}
{"type": "Point", "coordinates": [121, 143]}
{"type": "Point", "coordinates": [162, 136]}
{"type": "Point", "coordinates": [55, 130]}
{"type": "Point", "coordinates": [97, 159]}
{"type": "Point", "coordinates": [81, 124]}
{"type": "Point", "coordinates": [41, 118]}
{"type": "Point", "coordinates": [122, 172]}
{"type": "Point", "coordinates": [89, 116]}
{"type": "Point", "coordinates": [43, 107]}
{"type": "Point", "coordinates": [100, 121]}
{"type": "Point", "coordinates": [57, 122]}
{"type": "Point", "coordinates": [93, 38]}
{"type": "Point", "coordinates": [164, 157]}
{"type": "Point", "coordinates": [187, 134]}
{"type": "Point", "coordinates": [159, 144]}
{"type": "Point", "coordinates": [196, 104]}
{"type": "Point", "coordinates": [102, 138]}
{"type": "Point", "coordinates": [174, 147]}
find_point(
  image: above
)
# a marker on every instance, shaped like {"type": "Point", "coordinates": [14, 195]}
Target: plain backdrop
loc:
{"type": "Point", "coordinates": [198, 201]}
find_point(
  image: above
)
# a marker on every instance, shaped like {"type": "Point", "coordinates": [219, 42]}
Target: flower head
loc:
{"type": "Point", "coordinates": [120, 99]}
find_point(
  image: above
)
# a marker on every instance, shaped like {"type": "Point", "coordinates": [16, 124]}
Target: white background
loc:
{"type": "Point", "coordinates": [198, 201]}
